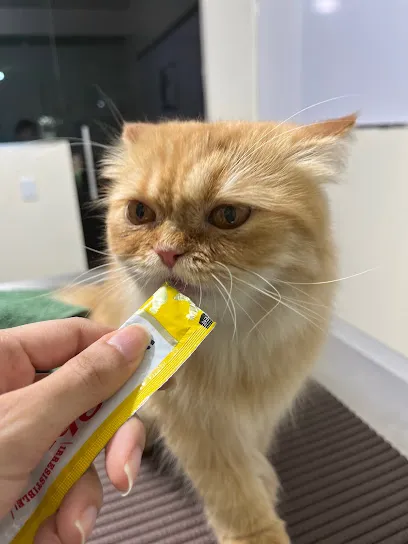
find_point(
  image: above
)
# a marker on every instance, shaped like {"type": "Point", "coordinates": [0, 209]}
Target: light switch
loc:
{"type": "Point", "coordinates": [28, 188]}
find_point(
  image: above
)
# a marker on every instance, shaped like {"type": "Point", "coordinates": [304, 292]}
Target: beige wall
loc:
{"type": "Point", "coordinates": [228, 35]}
{"type": "Point", "coordinates": [40, 238]}
{"type": "Point", "coordinates": [370, 210]}
{"type": "Point", "coordinates": [370, 207]}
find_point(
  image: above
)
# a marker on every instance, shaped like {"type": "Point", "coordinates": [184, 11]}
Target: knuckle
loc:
{"type": "Point", "coordinates": [85, 331]}
{"type": "Point", "coordinates": [78, 326]}
{"type": "Point", "coordinates": [8, 346]}
{"type": "Point", "coordinates": [75, 322]}
{"type": "Point", "coordinates": [88, 370]}
{"type": "Point", "coordinates": [93, 368]}
{"type": "Point", "coordinates": [15, 367]}
{"type": "Point", "coordinates": [10, 352]}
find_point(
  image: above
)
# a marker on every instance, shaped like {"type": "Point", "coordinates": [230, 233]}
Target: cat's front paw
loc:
{"type": "Point", "coordinates": [277, 535]}
{"type": "Point", "coordinates": [269, 538]}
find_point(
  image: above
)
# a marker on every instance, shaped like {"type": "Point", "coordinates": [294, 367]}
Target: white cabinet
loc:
{"type": "Point", "coordinates": [40, 223]}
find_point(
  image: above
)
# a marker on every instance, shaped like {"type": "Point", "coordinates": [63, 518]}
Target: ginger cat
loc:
{"type": "Point", "coordinates": [233, 215]}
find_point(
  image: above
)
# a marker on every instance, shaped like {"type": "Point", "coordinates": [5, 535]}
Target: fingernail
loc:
{"type": "Point", "coordinates": [86, 523]}
{"type": "Point", "coordinates": [131, 469]}
{"type": "Point", "coordinates": [130, 341]}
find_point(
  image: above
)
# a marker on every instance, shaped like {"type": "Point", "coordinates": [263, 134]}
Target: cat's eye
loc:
{"type": "Point", "coordinates": [139, 213]}
{"type": "Point", "coordinates": [229, 217]}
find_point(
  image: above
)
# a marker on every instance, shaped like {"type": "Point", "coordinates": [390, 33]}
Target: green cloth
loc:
{"type": "Point", "coordinates": [22, 307]}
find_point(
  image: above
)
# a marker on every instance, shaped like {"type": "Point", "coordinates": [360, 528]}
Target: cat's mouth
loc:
{"type": "Point", "coordinates": [188, 289]}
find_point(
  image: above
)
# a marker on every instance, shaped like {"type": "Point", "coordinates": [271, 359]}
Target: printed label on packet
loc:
{"type": "Point", "coordinates": [177, 328]}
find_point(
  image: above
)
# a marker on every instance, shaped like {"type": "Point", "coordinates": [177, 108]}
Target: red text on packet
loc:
{"type": "Point", "coordinates": [33, 492]}
{"type": "Point", "coordinates": [73, 428]}
{"type": "Point", "coordinates": [68, 433]}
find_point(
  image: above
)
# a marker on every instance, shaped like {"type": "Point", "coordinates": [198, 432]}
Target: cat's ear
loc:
{"type": "Point", "coordinates": [131, 131]}
{"type": "Point", "coordinates": [321, 148]}
{"type": "Point", "coordinates": [115, 158]}
{"type": "Point", "coordinates": [333, 128]}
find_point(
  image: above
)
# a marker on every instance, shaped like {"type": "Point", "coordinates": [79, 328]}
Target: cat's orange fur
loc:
{"type": "Point", "coordinates": [219, 417]}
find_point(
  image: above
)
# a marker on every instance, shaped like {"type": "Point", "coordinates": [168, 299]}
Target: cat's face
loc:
{"type": "Point", "coordinates": [194, 203]}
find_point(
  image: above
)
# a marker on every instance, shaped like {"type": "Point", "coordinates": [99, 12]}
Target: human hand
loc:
{"type": "Point", "coordinates": [96, 363]}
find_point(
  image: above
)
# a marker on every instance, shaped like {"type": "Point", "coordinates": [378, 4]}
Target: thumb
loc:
{"type": "Point", "coordinates": [83, 382]}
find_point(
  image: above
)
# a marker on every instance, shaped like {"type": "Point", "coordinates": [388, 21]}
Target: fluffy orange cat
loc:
{"type": "Point", "coordinates": [233, 215]}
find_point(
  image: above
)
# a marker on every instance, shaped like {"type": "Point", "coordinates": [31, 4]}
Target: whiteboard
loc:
{"type": "Point", "coordinates": [354, 49]}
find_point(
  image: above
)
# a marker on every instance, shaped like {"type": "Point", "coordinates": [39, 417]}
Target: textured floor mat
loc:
{"type": "Point", "coordinates": [342, 484]}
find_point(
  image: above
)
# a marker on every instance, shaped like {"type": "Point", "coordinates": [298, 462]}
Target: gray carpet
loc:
{"type": "Point", "coordinates": [342, 484]}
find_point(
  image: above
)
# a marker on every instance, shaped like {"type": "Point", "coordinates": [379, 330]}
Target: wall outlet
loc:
{"type": "Point", "coordinates": [28, 189]}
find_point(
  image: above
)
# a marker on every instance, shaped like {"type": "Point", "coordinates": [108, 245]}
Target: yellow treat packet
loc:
{"type": "Point", "coordinates": [177, 327]}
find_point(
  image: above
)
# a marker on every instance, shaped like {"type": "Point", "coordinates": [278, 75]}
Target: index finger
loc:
{"type": "Point", "coordinates": [52, 343]}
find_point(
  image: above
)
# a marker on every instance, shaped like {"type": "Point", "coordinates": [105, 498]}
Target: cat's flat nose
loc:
{"type": "Point", "coordinates": [168, 256]}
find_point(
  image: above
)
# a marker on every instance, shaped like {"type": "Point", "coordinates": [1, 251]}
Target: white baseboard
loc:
{"type": "Point", "coordinates": [371, 348]}
{"type": "Point", "coordinates": [369, 378]}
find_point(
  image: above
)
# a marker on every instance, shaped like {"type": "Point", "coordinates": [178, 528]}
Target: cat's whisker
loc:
{"type": "Point", "coordinates": [90, 270]}
{"type": "Point", "coordinates": [260, 142]}
{"type": "Point", "coordinates": [245, 312]}
{"type": "Point", "coordinates": [230, 276]}
{"type": "Point", "coordinates": [229, 304]}
{"type": "Point", "coordinates": [64, 287]}
{"type": "Point", "coordinates": [79, 140]}
{"type": "Point", "coordinates": [261, 278]}
{"type": "Point", "coordinates": [309, 310]}
{"type": "Point", "coordinates": [265, 316]}
{"type": "Point", "coordinates": [287, 299]}
{"type": "Point", "coordinates": [201, 293]}
{"type": "Point", "coordinates": [250, 297]}
{"type": "Point", "coordinates": [305, 302]}
{"type": "Point", "coordinates": [243, 173]}
{"type": "Point", "coordinates": [332, 281]}
{"type": "Point", "coordinates": [98, 251]}
{"type": "Point", "coordinates": [289, 284]}
{"type": "Point", "coordinates": [110, 132]}
{"type": "Point", "coordinates": [225, 299]}
{"type": "Point", "coordinates": [326, 101]}
{"type": "Point", "coordinates": [214, 297]}
{"type": "Point", "coordinates": [136, 274]}
{"type": "Point", "coordinates": [251, 320]}
{"type": "Point", "coordinates": [118, 117]}
{"type": "Point", "coordinates": [135, 271]}
{"type": "Point", "coordinates": [270, 295]}
{"type": "Point", "coordinates": [278, 301]}
{"type": "Point", "coordinates": [92, 280]}
{"type": "Point", "coordinates": [125, 280]}
{"type": "Point", "coordinates": [110, 255]}
{"type": "Point", "coordinates": [289, 131]}
{"type": "Point", "coordinates": [278, 297]}
{"type": "Point", "coordinates": [93, 276]}
{"type": "Point", "coordinates": [76, 141]}
{"type": "Point", "coordinates": [297, 289]}
{"type": "Point", "coordinates": [106, 289]}
{"type": "Point", "coordinates": [294, 301]}
{"type": "Point", "coordinates": [94, 144]}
